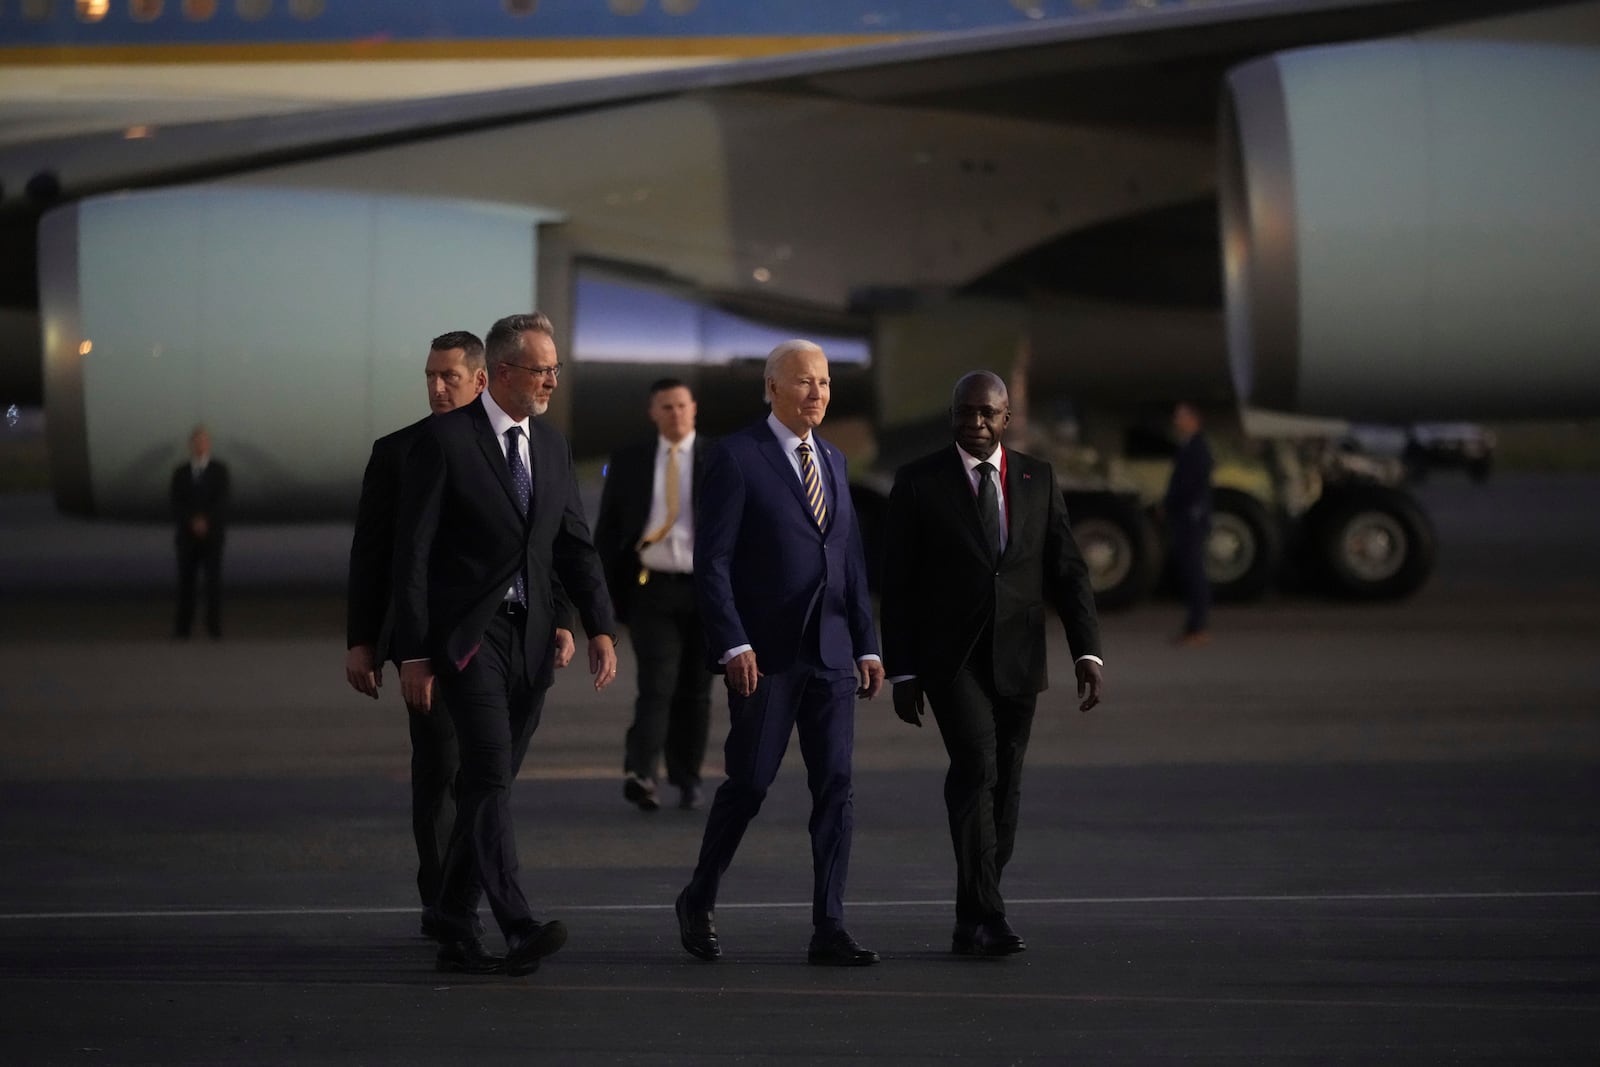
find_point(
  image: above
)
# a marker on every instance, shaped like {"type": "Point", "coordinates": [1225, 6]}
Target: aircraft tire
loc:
{"type": "Point", "coordinates": [1245, 548]}
{"type": "Point", "coordinates": [1119, 544]}
{"type": "Point", "coordinates": [1371, 542]}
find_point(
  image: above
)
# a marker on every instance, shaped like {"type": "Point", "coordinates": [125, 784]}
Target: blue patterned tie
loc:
{"type": "Point", "coordinates": [524, 484]}
{"type": "Point", "coordinates": [813, 485]}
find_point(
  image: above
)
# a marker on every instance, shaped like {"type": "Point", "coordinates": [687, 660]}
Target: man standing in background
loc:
{"type": "Point", "coordinates": [200, 492]}
{"type": "Point", "coordinates": [645, 536]}
{"type": "Point", "coordinates": [1188, 512]}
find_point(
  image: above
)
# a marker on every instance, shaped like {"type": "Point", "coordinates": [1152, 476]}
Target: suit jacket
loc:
{"type": "Point", "coordinates": [206, 495]}
{"type": "Point", "coordinates": [763, 568]}
{"type": "Point", "coordinates": [943, 590]}
{"type": "Point", "coordinates": [460, 540]}
{"type": "Point", "coordinates": [372, 544]}
{"type": "Point", "coordinates": [625, 508]}
{"type": "Point", "coordinates": [1188, 498]}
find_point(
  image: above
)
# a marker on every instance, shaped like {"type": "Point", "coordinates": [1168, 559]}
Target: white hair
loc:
{"type": "Point", "coordinates": [775, 360]}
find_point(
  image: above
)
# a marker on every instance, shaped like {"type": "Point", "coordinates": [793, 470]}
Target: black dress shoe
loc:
{"type": "Point", "coordinates": [690, 798]}
{"type": "Point", "coordinates": [839, 949]}
{"type": "Point", "coordinates": [696, 929]}
{"type": "Point", "coordinates": [528, 946]}
{"type": "Point", "coordinates": [991, 938]}
{"type": "Point", "coordinates": [466, 955]}
{"type": "Point", "coordinates": [639, 792]}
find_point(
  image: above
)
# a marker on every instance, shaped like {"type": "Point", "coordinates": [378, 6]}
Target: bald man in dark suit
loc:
{"type": "Point", "coordinates": [982, 551]}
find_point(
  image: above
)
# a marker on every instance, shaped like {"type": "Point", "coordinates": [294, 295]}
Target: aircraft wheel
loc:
{"type": "Point", "coordinates": [1119, 545]}
{"type": "Point", "coordinates": [1244, 549]}
{"type": "Point", "coordinates": [1371, 542]}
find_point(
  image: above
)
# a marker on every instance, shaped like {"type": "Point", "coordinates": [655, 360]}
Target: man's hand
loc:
{"type": "Point", "coordinates": [602, 660]}
{"type": "Point", "coordinates": [566, 647]}
{"type": "Point", "coordinates": [908, 701]}
{"type": "Point", "coordinates": [743, 675]}
{"type": "Point", "coordinates": [1089, 683]}
{"type": "Point", "coordinates": [416, 685]}
{"type": "Point", "coordinates": [199, 527]}
{"type": "Point", "coordinates": [870, 671]}
{"type": "Point", "coordinates": [363, 671]}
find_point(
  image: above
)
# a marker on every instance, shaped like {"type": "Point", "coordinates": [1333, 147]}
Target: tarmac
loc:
{"type": "Point", "coordinates": [1338, 834]}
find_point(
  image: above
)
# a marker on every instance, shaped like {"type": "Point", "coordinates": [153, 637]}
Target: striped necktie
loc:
{"type": "Point", "coordinates": [523, 482]}
{"type": "Point", "coordinates": [813, 486]}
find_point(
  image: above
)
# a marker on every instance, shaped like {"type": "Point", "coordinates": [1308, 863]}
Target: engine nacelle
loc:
{"type": "Point", "coordinates": [293, 323]}
{"type": "Point", "coordinates": [1411, 227]}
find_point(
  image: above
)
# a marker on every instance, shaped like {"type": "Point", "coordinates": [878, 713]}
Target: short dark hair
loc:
{"type": "Point", "coordinates": [505, 336]}
{"type": "Point", "coordinates": [471, 347]}
{"type": "Point", "coordinates": [661, 385]}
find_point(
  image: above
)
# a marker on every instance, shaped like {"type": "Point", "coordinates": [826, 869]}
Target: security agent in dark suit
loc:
{"type": "Point", "coordinates": [489, 515]}
{"type": "Point", "coordinates": [981, 550]}
{"type": "Point", "coordinates": [1187, 507]}
{"type": "Point", "coordinates": [455, 376]}
{"type": "Point", "coordinates": [782, 584]}
{"type": "Point", "coordinates": [200, 491]}
{"type": "Point", "coordinates": [645, 536]}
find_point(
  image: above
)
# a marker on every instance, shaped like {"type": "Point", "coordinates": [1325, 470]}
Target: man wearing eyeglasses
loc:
{"type": "Point", "coordinates": [990, 523]}
{"type": "Point", "coordinates": [455, 375]}
{"type": "Point", "coordinates": [489, 517]}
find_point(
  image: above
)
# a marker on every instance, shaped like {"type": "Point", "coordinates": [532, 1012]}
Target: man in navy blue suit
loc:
{"type": "Point", "coordinates": [1188, 512]}
{"type": "Point", "coordinates": [781, 582]}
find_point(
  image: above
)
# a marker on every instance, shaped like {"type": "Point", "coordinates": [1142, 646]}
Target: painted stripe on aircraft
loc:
{"type": "Point", "coordinates": [489, 48]}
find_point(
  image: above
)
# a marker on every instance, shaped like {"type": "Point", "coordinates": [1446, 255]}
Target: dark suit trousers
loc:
{"type": "Point", "coordinates": [1189, 538]}
{"type": "Point", "coordinates": [433, 790]}
{"type": "Point", "coordinates": [986, 736]}
{"type": "Point", "coordinates": [495, 713]}
{"type": "Point", "coordinates": [821, 702]}
{"type": "Point", "coordinates": [197, 556]}
{"type": "Point", "coordinates": [673, 711]}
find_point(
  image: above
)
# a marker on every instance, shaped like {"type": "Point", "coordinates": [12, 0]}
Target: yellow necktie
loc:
{"type": "Point", "coordinates": [672, 500]}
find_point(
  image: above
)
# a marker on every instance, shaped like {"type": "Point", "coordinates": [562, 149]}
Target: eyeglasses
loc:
{"type": "Point", "coordinates": [539, 372]}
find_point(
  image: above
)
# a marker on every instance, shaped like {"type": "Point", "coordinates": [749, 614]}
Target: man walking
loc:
{"type": "Point", "coordinates": [489, 516]}
{"type": "Point", "coordinates": [782, 585]}
{"type": "Point", "coordinates": [645, 536]}
{"type": "Point", "coordinates": [981, 550]}
{"type": "Point", "coordinates": [455, 376]}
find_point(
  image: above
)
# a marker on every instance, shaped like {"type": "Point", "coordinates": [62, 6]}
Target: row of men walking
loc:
{"type": "Point", "coordinates": [472, 565]}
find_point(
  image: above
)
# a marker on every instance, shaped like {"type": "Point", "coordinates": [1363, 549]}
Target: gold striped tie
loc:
{"type": "Point", "coordinates": [813, 484]}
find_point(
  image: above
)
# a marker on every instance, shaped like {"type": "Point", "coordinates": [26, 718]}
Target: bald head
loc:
{"type": "Point", "coordinates": [979, 413]}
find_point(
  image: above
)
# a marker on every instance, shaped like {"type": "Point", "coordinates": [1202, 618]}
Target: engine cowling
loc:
{"type": "Point", "coordinates": [170, 308]}
{"type": "Point", "coordinates": [1410, 227]}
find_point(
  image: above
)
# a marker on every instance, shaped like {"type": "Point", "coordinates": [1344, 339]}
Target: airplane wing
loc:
{"type": "Point", "coordinates": [1129, 66]}
{"type": "Point", "coordinates": [1108, 190]}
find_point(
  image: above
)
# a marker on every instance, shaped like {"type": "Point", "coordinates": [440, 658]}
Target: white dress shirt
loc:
{"type": "Point", "coordinates": [674, 553]}
{"type": "Point", "coordinates": [501, 422]}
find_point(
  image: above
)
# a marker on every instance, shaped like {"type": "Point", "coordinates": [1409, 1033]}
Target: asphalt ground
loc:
{"type": "Point", "coordinates": [1338, 834]}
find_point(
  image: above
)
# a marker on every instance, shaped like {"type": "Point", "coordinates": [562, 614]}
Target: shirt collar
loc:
{"type": "Point", "coordinates": [498, 419]}
{"type": "Point", "coordinates": [972, 462]}
{"type": "Point", "coordinates": [683, 446]}
{"type": "Point", "coordinates": [786, 437]}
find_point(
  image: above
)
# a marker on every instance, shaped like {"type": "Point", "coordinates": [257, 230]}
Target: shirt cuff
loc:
{"type": "Point", "coordinates": [732, 652]}
{"type": "Point", "coordinates": [1091, 659]}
